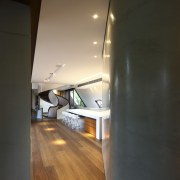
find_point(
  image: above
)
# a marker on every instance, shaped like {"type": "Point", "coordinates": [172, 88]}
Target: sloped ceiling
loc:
{"type": "Point", "coordinates": [66, 34]}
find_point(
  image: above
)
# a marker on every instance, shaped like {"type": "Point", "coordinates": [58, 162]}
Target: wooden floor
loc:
{"type": "Point", "coordinates": [59, 153]}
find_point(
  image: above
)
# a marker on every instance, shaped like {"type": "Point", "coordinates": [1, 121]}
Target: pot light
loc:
{"type": "Point", "coordinates": [95, 16]}
{"type": "Point", "coordinates": [95, 56]}
{"type": "Point", "coordinates": [47, 80]}
{"type": "Point", "coordinates": [95, 42]}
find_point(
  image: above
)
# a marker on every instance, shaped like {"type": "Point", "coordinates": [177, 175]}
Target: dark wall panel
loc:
{"type": "Point", "coordinates": [15, 69]}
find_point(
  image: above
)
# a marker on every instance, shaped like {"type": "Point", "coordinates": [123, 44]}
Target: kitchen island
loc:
{"type": "Point", "coordinates": [96, 114]}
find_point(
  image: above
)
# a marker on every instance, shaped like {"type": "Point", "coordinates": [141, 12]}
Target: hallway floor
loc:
{"type": "Point", "coordinates": [59, 153]}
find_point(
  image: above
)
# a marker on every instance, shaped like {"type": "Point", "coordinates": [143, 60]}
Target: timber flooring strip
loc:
{"type": "Point", "coordinates": [59, 153]}
{"type": "Point", "coordinates": [77, 135]}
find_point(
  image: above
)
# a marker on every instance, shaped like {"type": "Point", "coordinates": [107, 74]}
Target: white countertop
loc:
{"type": "Point", "coordinates": [91, 113]}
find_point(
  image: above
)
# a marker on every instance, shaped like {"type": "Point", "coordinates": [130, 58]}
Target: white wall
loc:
{"type": "Point", "coordinates": [45, 105]}
{"type": "Point", "coordinates": [90, 94]}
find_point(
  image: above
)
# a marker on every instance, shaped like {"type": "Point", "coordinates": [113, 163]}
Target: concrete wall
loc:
{"type": "Point", "coordinates": [15, 93]}
{"type": "Point", "coordinates": [145, 90]}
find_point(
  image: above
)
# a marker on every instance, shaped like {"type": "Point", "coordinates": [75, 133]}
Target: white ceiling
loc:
{"type": "Point", "coordinates": [66, 34]}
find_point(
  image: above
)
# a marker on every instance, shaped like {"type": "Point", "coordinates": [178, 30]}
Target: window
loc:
{"type": "Point", "coordinates": [76, 100]}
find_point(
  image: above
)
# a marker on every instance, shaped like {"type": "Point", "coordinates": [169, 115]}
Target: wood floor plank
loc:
{"type": "Point", "coordinates": [59, 153]}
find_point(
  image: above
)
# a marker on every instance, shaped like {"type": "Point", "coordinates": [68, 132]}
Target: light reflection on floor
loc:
{"type": "Point", "coordinates": [49, 129]}
{"type": "Point", "coordinates": [85, 134]}
{"type": "Point", "coordinates": [59, 142]}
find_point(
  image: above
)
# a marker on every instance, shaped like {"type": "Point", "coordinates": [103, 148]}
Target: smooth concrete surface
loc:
{"type": "Point", "coordinates": [15, 110]}
{"type": "Point", "coordinates": [145, 90]}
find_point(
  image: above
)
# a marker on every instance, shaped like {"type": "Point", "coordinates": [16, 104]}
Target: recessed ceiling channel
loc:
{"type": "Point", "coordinates": [89, 83]}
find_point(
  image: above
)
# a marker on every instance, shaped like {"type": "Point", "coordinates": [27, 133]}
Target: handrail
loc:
{"type": "Point", "coordinates": [62, 97]}
{"type": "Point", "coordinates": [57, 97]}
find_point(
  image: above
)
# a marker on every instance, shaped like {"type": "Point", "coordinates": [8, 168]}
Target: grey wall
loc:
{"type": "Point", "coordinates": [15, 91]}
{"type": "Point", "coordinates": [33, 100]}
{"type": "Point", "coordinates": [145, 90]}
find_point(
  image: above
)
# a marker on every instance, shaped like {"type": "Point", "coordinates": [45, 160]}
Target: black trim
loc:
{"type": "Point", "coordinates": [80, 97]}
{"type": "Point", "coordinates": [90, 82]}
{"type": "Point", "coordinates": [98, 103]}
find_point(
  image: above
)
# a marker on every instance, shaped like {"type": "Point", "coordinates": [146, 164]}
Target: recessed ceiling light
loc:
{"type": "Point", "coordinates": [46, 80]}
{"type": "Point", "coordinates": [95, 42]}
{"type": "Point", "coordinates": [63, 65]}
{"type": "Point", "coordinates": [95, 16]}
{"type": "Point", "coordinates": [95, 56]}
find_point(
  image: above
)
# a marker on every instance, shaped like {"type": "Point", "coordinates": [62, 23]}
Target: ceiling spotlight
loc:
{"type": "Point", "coordinates": [95, 16]}
{"type": "Point", "coordinates": [60, 65]}
{"type": "Point", "coordinates": [95, 56]}
{"type": "Point", "coordinates": [47, 80]}
{"type": "Point", "coordinates": [95, 42]}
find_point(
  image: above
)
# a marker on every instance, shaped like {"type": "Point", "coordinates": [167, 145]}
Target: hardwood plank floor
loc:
{"type": "Point", "coordinates": [59, 153]}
